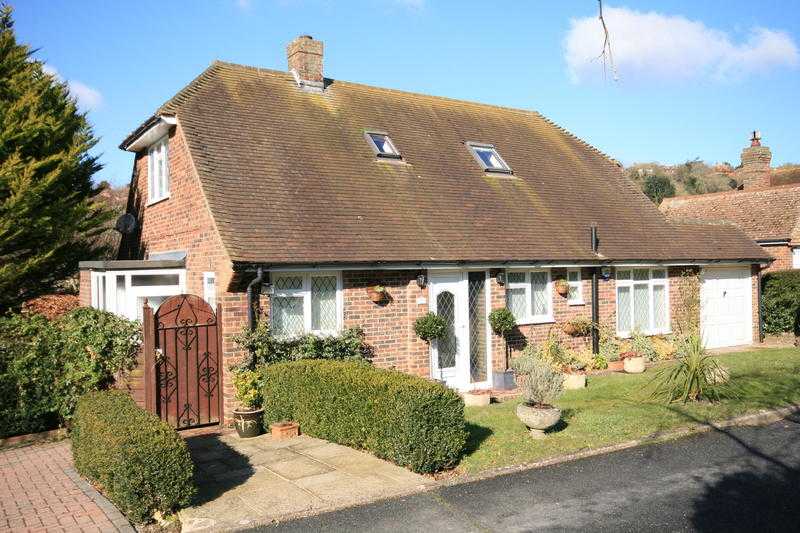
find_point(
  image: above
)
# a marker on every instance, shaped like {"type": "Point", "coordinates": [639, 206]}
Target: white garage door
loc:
{"type": "Point", "coordinates": [726, 307]}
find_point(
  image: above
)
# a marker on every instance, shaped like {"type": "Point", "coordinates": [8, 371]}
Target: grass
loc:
{"type": "Point", "coordinates": [617, 408]}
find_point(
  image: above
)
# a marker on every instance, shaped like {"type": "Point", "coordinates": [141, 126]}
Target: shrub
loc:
{"type": "Point", "coordinates": [665, 349]}
{"type": "Point", "coordinates": [46, 365]}
{"type": "Point", "coordinates": [541, 385]}
{"type": "Point", "coordinates": [781, 301]}
{"type": "Point", "coordinates": [610, 347]}
{"type": "Point", "coordinates": [502, 321]}
{"type": "Point", "coordinates": [643, 345]}
{"type": "Point", "coordinates": [248, 388]}
{"type": "Point", "coordinates": [140, 463]}
{"type": "Point", "coordinates": [430, 326]}
{"type": "Point", "coordinates": [406, 419]}
{"type": "Point", "coordinates": [696, 376]}
{"type": "Point", "coordinates": [265, 349]}
{"type": "Point", "coordinates": [599, 362]}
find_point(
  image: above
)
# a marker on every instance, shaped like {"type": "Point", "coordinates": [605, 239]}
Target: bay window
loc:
{"type": "Point", "coordinates": [306, 303]}
{"type": "Point", "coordinates": [642, 301]}
{"type": "Point", "coordinates": [529, 296]}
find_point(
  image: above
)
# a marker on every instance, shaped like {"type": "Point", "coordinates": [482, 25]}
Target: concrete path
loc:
{"type": "Point", "coordinates": [739, 479]}
{"type": "Point", "coordinates": [245, 482]}
{"type": "Point", "coordinates": [41, 491]}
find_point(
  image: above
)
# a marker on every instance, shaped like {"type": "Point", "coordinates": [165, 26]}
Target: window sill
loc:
{"type": "Point", "coordinates": [577, 302]}
{"type": "Point", "coordinates": [530, 321]}
{"type": "Point", "coordinates": [629, 334]}
{"type": "Point", "coordinates": [156, 200]}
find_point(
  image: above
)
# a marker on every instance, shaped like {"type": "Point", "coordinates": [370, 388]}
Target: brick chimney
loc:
{"type": "Point", "coordinates": [304, 55]}
{"type": "Point", "coordinates": [754, 173]}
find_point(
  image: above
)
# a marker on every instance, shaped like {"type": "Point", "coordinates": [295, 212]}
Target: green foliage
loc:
{"type": "Point", "coordinates": [45, 366]}
{"type": "Point", "coordinates": [502, 321]}
{"type": "Point", "coordinates": [781, 300]}
{"type": "Point", "coordinates": [643, 345]}
{"type": "Point", "coordinates": [610, 346]}
{"type": "Point", "coordinates": [265, 349]}
{"type": "Point", "coordinates": [540, 384]}
{"type": "Point", "coordinates": [599, 362]}
{"type": "Point", "coordinates": [657, 187]}
{"type": "Point", "coordinates": [139, 462]}
{"type": "Point", "coordinates": [582, 325]}
{"type": "Point", "coordinates": [49, 216]}
{"type": "Point", "coordinates": [696, 376]}
{"type": "Point", "coordinates": [408, 420]}
{"type": "Point", "coordinates": [248, 388]}
{"type": "Point", "coordinates": [430, 326]}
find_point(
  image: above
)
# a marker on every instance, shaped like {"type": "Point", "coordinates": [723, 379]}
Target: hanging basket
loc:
{"type": "Point", "coordinates": [376, 294]}
{"type": "Point", "coordinates": [562, 288]}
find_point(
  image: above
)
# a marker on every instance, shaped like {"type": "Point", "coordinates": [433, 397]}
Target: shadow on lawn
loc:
{"type": "Point", "coordinates": [217, 467]}
{"type": "Point", "coordinates": [475, 436]}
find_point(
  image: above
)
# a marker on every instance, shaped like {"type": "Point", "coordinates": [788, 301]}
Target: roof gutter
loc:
{"type": "Point", "coordinates": [149, 132]}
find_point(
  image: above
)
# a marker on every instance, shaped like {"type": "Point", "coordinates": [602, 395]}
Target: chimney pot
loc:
{"type": "Point", "coordinates": [755, 170]}
{"type": "Point", "coordinates": [304, 56]}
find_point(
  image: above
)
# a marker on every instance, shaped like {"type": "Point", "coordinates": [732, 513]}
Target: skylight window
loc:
{"type": "Point", "coordinates": [489, 159]}
{"type": "Point", "coordinates": [382, 145]}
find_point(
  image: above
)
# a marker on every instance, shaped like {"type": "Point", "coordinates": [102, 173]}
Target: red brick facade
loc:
{"type": "Point", "coordinates": [783, 257]}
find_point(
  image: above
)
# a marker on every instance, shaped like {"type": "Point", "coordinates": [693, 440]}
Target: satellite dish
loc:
{"type": "Point", "coordinates": [126, 224]}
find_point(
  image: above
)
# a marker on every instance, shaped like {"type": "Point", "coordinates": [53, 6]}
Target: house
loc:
{"type": "Point", "coordinates": [308, 190]}
{"type": "Point", "coordinates": [766, 208]}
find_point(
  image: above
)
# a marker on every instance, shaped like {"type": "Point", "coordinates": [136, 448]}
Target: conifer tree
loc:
{"type": "Point", "coordinates": [49, 216]}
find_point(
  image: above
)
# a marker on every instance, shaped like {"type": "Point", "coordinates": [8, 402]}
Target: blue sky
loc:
{"type": "Point", "coordinates": [694, 77]}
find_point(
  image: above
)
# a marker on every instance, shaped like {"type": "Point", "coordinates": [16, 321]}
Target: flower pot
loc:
{"type": "Point", "coordinates": [284, 430]}
{"type": "Point", "coordinates": [375, 295]}
{"type": "Point", "coordinates": [570, 329]}
{"type": "Point", "coordinates": [538, 419]}
{"type": "Point", "coordinates": [248, 422]}
{"type": "Point", "coordinates": [633, 365]}
{"type": "Point", "coordinates": [562, 288]}
{"type": "Point", "coordinates": [477, 398]}
{"type": "Point", "coordinates": [615, 366]}
{"type": "Point", "coordinates": [574, 381]}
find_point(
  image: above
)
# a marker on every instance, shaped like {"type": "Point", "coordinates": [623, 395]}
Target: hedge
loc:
{"type": "Point", "coordinates": [139, 462]}
{"type": "Point", "coordinates": [408, 420]}
{"type": "Point", "coordinates": [46, 365]}
{"type": "Point", "coordinates": [781, 301]}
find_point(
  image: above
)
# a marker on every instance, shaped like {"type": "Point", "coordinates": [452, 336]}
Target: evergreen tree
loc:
{"type": "Point", "coordinates": [49, 217]}
{"type": "Point", "coordinates": [658, 187]}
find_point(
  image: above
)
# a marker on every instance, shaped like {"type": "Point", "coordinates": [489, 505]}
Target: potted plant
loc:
{"type": "Point", "coordinates": [541, 387]}
{"type": "Point", "coordinates": [247, 417]}
{"type": "Point", "coordinates": [377, 293]}
{"type": "Point", "coordinates": [430, 326]}
{"type": "Point", "coordinates": [562, 287]}
{"type": "Point", "coordinates": [502, 322]}
{"type": "Point", "coordinates": [632, 362]}
{"type": "Point", "coordinates": [575, 375]}
{"type": "Point", "coordinates": [577, 327]}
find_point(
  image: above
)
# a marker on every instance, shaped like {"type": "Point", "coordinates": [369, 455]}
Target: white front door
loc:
{"type": "Point", "coordinates": [726, 302]}
{"type": "Point", "coordinates": [448, 299]}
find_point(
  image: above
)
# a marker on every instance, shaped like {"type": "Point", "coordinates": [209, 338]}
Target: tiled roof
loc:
{"type": "Point", "coordinates": [290, 179]}
{"type": "Point", "coordinates": [763, 214]}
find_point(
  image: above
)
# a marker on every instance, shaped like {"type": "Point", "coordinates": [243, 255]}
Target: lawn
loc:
{"type": "Point", "coordinates": [617, 408]}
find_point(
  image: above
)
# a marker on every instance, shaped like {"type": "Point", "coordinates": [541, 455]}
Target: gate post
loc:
{"type": "Point", "coordinates": [220, 365]}
{"type": "Point", "coordinates": [149, 347]}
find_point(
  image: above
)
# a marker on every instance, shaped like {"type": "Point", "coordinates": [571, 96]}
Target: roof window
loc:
{"type": "Point", "coordinates": [489, 159]}
{"type": "Point", "coordinates": [382, 145]}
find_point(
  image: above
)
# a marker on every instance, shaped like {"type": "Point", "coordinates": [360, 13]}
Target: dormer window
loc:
{"type": "Point", "coordinates": [158, 171]}
{"type": "Point", "coordinates": [486, 155]}
{"type": "Point", "coordinates": [382, 145]}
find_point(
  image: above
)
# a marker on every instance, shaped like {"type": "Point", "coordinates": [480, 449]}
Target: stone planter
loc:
{"type": "Point", "coordinates": [633, 365]}
{"type": "Point", "coordinates": [248, 422]}
{"type": "Point", "coordinates": [477, 398]}
{"type": "Point", "coordinates": [538, 419]}
{"type": "Point", "coordinates": [574, 381]}
{"type": "Point", "coordinates": [284, 430]}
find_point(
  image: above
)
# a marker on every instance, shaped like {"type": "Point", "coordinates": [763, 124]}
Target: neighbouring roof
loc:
{"type": "Point", "coordinates": [290, 178]}
{"type": "Point", "coordinates": [763, 214]}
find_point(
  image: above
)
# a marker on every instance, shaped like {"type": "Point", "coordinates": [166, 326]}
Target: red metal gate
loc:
{"type": "Point", "coordinates": [182, 343]}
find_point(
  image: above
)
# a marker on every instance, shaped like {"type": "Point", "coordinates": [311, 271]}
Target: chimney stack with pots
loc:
{"type": "Point", "coordinates": [304, 56]}
{"type": "Point", "coordinates": [754, 173]}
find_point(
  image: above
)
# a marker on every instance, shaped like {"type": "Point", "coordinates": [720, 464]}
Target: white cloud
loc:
{"type": "Point", "coordinates": [656, 47]}
{"type": "Point", "coordinates": [243, 4]}
{"type": "Point", "coordinates": [87, 97]}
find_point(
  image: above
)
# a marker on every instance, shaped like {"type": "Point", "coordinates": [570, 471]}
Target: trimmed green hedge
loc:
{"type": "Point", "coordinates": [140, 463]}
{"type": "Point", "coordinates": [406, 419]}
{"type": "Point", "coordinates": [781, 301]}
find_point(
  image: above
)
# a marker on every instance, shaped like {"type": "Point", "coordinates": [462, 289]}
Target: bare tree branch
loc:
{"type": "Point", "coordinates": [606, 55]}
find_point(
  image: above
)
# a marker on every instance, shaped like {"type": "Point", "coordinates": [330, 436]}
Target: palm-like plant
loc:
{"type": "Point", "coordinates": [696, 376]}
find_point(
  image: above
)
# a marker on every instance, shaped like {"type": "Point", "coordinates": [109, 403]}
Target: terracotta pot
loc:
{"type": "Point", "coordinates": [634, 365]}
{"type": "Point", "coordinates": [574, 381]}
{"type": "Point", "coordinates": [570, 329]}
{"type": "Point", "coordinates": [375, 295]}
{"type": "Point", "coordinates": [477, 398]}
{"type": "Point", "coordinates": [562, 288]}
{"type": "Point", "coordinates": [538, 419]}
{"type": "Point", "coordinates": [616, 366]}
{"type": "Point", "coordinates": [284, 430]}
{"type": "Point", "coordinates": [248, 422]}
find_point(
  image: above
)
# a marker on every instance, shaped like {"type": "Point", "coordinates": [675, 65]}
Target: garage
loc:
{"type": "Point", "coordinates": [726, 305]}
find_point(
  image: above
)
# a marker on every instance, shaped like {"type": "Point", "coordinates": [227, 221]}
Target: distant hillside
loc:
{"type": "Point", "coordinates": [696, 177]}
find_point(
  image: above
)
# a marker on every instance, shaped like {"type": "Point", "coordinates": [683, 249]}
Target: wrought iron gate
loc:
{"type": "Point", "coordinates": [182, 343]}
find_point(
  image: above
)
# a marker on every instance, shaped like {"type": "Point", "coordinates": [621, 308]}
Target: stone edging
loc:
{"type": "Point", "coordinates": [112, 513]}
{"type": "Point", "coordinates": [32, 438]}
{"type": "Point", "coordinates": [759, 418]}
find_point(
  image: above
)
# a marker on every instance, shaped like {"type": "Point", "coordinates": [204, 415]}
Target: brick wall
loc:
{"type": "Point", "coordinates": [85, 288]}
{"type": "Point", "coordinates": [783, 257]}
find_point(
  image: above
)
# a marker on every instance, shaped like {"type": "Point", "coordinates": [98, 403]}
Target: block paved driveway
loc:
{"type": "Point", "coordinates": [41, 491]}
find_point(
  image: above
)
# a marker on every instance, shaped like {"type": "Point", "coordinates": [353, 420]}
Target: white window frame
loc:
{"type": "Point", "coordinates": [651, 282]}
{"type": "Point", "coordinates": [530, 318]}
{"type": "Point", "coordinates": [305, 293]}
{"type": "Point", "coordinates": [504, 167]}
{"type": "Point", "coordinates": [127, 307]}
{"type": "Point", "coordinates": [208, 295]}
{"type": "Point", "coordinates": [577, 285]}
{"type": "Point", "coordinates": [796, 257]}
{"type": "Point", "coordinates": [158, 152]}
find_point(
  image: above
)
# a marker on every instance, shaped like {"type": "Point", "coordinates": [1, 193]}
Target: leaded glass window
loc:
{"type": "Point", "coordinates": [447, 346]}
{"type": "Point", "coordinates": [575, 295]}
{"type": "Point", "coordinates": [477, 326]}
{"type": "Point", "coordinates": [642, 301]}
{"type": "Point", "coordinates": [529, 296]}
{"type": "Point", "coordinates": [287, 316]}
{"type": "Point", "coordinates": [323, 303]}
{"type": "Point", "coordinates": [539, 293]}
{"type": "Point", "coordinates": [305, 303]}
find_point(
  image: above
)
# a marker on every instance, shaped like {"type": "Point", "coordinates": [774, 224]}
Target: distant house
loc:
{"type": "Point", "coordinates": [766, 208]}
{"type": "Point", "coordinates": [327, 188]}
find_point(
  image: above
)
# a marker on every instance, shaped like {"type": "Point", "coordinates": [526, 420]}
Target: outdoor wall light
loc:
{"type": "Point", "coordinates": [421, 281]}
{"type": "Point", "coordinates": [501, 278]}
{"type": "Point", "coordinates": [605, 272]}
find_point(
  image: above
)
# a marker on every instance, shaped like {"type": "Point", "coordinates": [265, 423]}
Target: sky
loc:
{"type": "Point", "coordinates": [690, 79]}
